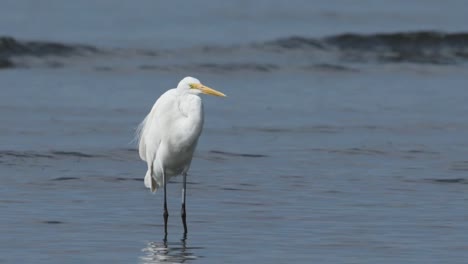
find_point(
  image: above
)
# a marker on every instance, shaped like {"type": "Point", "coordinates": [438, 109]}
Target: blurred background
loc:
{"type": "Point", "coordinates": [342, 139]}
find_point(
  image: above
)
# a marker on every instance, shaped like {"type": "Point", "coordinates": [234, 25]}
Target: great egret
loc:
{"type": "Point", "coordinates": [169, 134]}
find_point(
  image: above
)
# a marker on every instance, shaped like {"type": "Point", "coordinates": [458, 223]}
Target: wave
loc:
{"type": "Point", "coordinates": [449, 181]}
{"type": "Point", "coordinates": [332, 53]}
{"type": "Point", "coordinates": [417, 47]}
{"type": "Point", "coordinates": [12, 47]}
{"type": "Point", "coordinates": [53, 154]}
{"type": "Point", "coordinates": [232, 154]}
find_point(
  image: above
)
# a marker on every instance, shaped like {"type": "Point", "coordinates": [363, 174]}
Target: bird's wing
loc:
{"type": "Point", "coordinates": [149, 132]}
{"type": "Point", "coordinates": [141, 138]}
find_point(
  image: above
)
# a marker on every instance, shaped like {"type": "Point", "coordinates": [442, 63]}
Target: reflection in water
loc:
{"type": "Point", "coordinates": [168, 252]}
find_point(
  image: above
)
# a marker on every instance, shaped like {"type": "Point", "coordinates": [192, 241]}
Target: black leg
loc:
{"type": "Point", "coordinates": [166, 213]}
{"type": "Point", "coordinates": [183, 212]}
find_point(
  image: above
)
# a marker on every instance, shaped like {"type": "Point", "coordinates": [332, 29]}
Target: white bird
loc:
{"type": "Point", "coordinates": [169, 134]}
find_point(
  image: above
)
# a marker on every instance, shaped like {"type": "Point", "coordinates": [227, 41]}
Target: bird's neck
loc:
{"type": "Point", "coordinates": [191, 107]}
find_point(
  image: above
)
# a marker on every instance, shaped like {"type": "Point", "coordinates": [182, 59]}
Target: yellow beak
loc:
{"type": "Point", "coordinates": [206, 90]}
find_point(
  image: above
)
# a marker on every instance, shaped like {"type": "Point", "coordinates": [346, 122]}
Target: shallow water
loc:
{"type": "Point", "coordinates": [329, 152]}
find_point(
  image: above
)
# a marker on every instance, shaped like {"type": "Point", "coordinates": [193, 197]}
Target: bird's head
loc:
{"type": "Point", "coordinates": [194, 86]}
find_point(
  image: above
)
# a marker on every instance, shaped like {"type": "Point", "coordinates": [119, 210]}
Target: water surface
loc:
{"type": "Point", "coordinates": [342, 139]}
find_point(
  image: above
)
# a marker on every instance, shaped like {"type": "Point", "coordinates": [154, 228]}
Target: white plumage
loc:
{"type": "Point", "coordinates": [169, 133]}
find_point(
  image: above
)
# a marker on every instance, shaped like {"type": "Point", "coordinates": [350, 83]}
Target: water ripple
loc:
{"type": "Point", "coordinates": [169, 252]}
{"type": "Point", "coordinates": [232, 154]}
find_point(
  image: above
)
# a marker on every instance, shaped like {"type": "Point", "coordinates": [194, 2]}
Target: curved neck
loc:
{"type": "Point", "coordinates": [191, 107]}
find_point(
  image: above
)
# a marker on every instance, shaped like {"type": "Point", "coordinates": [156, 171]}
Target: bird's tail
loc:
{"type": "Point", "coordinates": [150, 182]}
